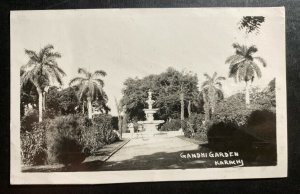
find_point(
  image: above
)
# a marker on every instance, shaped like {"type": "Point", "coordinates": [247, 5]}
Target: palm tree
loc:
{"type": "Point", "coordinates": [243, 66]}
{"type": "Point", "coordinates": [42, 69]}
{"type": "Point", "coordinates": [211, 91]}
{"type": "Point", "coordinates": [91, 87]}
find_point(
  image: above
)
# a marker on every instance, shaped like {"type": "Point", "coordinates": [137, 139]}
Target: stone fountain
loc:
{"type": "Point", "coordinates": [150, 125]}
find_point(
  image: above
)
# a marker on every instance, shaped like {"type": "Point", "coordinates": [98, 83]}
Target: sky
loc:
{"type": "Point", "coordinates": [138, 42]}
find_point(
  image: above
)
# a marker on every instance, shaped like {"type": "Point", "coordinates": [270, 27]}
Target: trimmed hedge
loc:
{"type": "Point", "coordinates": [172, 125]}
{"type": "Point", "coordinates": [63, 139]}
{"type": "Point", "coordinates": [66, 139]}
{"type": "Point", "coordinates": [98, 133]}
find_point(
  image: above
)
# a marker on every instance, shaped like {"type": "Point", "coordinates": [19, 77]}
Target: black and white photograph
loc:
{"type": "Point", "coordinates": [134, 95]}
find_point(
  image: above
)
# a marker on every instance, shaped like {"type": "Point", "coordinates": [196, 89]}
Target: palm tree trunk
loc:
{"type": "Point", "coordinates": [213, 105]}
{"type": "Point", "coordinates": [44, 101]}
{"type": "Point", "coordinates": [206, 107]}
{"type": "Point", "coordinates": [83, 107]}
{"type": "Point", "coordinates": [247, 96]}
{"type": "Point", "coordinates": [212, 99]}
{"type": "Point", "coordinates": [189, 108]}
{"type": "Point", "coordinates": [182, 106]}
{"type": "Point", "coordinates": [40, 104]}
{"type": "Point", "coordinates": [119, 117]}
{"type": "Point", "coordinates": [89, 99]}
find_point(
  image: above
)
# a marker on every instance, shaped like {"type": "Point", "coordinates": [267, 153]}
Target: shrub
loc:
{"type": "Point", "coordinates": [172, 125]}
{"type": "Point", "coordinates": [196, 121]}
{"type": "Point", "coordinates": [64, 140]}
{"type": "Point", "coordinates": [262, 124]}
{"type": "Point", "coordinates": [256, 140]}
{"type": "Point", "coordinates": [97, 132]}
{"type": "Point", "coordinates": [264, 100]}
{"type": "Point", "coordinates": [33, 144]}
{"type": "Point", "coordinates": [221, 134]}
{"type": "Point", "coordinates": [103, 123]}
{"type": "Point", "coordinates": [115, 123]}
{"type": "Point", "coordinates": [27, 121]}
{"type": "Point", "coordinates": [232, 110]}
{"type": "Point", "coordinates": [201, 135]}
{"type": "Point", "coordinates": [194, 127]}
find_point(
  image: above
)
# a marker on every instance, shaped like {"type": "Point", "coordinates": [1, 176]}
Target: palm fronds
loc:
{"type": "Point", "coordinates": [42, 67]}
{"type": "Point", "coordinates": [242, 66]}
{"type": "Point", "coordinates": [76, 81]}
{"type": "Point", "coordinates": [261, 60]}
{"type": "Point", "coordinates": [99, 73]}
{"type": "Point", "coordinates": [83, 71]}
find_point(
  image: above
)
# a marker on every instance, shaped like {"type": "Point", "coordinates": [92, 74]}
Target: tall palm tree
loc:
{"type": "Point", "coordinates": [42, 69]}
{"type": "Point", "coordinates": [91, 87]}
{"type": "Point", "coordinates": [243, 66]}
{"type": "Point", "coordinates": [212, 92]}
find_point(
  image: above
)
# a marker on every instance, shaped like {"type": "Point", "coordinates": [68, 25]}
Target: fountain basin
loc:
{"type": "Point", "coordinates": [150, 127]}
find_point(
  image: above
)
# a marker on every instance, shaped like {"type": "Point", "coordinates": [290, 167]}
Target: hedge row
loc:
{"type": "Point", "coordinates": [66, 139]}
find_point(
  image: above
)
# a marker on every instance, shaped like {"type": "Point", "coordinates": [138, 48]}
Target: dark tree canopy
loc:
{"type": "Point", "coordinates": [251, 23]}
{"type": "Point", "coordinates": [62, 101]}
{"type": "Point", "coordinates": [166, 88]}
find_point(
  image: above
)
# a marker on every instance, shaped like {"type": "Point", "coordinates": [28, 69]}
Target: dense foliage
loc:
{"type": "Point", "coordinates": [63, 139]}
{"type": "Point", "coordinates": [166, 88]}
{"type": "Point", "coordinates": [66, 139]}
{"type": "Point", "coordinates": [234, 110]}
{"type": "Point", "coordinates": [27, 121]}
{"type": "Point", "coordinates": [195, 127]}
{"type": "Point", "coordinates": [91, 89]}
{"type": "Point", "coordinates": [40, 70]}
{"type": "Point", "coordinates": [98, 132]}
{"type": "Point", "coordinates": [33, 144]}
{"type": "Point", "coordinates": [171, 125]}
{"type": "Point", "coordinates": [246, 129]}
{"type": "Point", "coordinates": [251, 23]}
{"type": "Point", "coordinates": [62, 102]}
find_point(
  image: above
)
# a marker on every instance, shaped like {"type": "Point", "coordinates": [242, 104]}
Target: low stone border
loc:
{"type": "Point", "coordinates": [106, 152]}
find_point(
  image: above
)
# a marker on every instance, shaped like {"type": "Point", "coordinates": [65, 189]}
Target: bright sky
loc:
{"type": "Point", "coordinates": [138, 42]}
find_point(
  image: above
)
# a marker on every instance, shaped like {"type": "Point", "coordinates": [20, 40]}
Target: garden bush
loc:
{"type": "Point", "coordinates": [27, 121]}
{"type": "Point", "coordinates": [196, 121]}
{"type": "Point", "coordinates": [262, 124]}
{"type": "Point", "coordinates": [194, 127]}
{"type": "Point", "coordinates": [33, 144]}
{"type": "Point", "coordinates": [103, 123]}
{"type": "Point", "coordinates": [63, 139]}
{"type": "Point", "coordinates": [172, 125]}
{"type": "Point", "coordinates": [221, 134]}
{"type": "Point", "coordinates": [66, 139]}
{"type": "Point", "coordinates": [255, 140]}
{"type": "Point", "coordinates": [232, 110]}
{"type": "Point", "coordinates": [97, 133]}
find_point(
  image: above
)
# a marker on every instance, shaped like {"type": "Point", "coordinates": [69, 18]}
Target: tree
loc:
{"type": "Point", "coordinates": [90, 87]}
{"type": "Point", "coordinates": [100, 103]}
{"type": "Point", "coordinates": [62, 101]}
{"type": "Point", "coordinates": [42, 69]}
{"type": "Point", "coordinates": [243, 66]}
{"type": "Point", "coordinates": [212, 92]}
{"type": "Point", "coordinates": [251, 23]}
{"type": "Point", "coordinates": [166, 88]}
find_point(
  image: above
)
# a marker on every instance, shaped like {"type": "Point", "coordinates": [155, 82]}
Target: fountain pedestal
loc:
{"type": "Point", "coordinates": [150, 125]}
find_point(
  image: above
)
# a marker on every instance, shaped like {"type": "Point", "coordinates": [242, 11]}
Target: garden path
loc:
{"type": "Point", "coordinates": [158, 152]}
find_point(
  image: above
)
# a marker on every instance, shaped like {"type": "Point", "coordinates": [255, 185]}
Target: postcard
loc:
{"type": "Point", "coordinates": [143, 95]}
